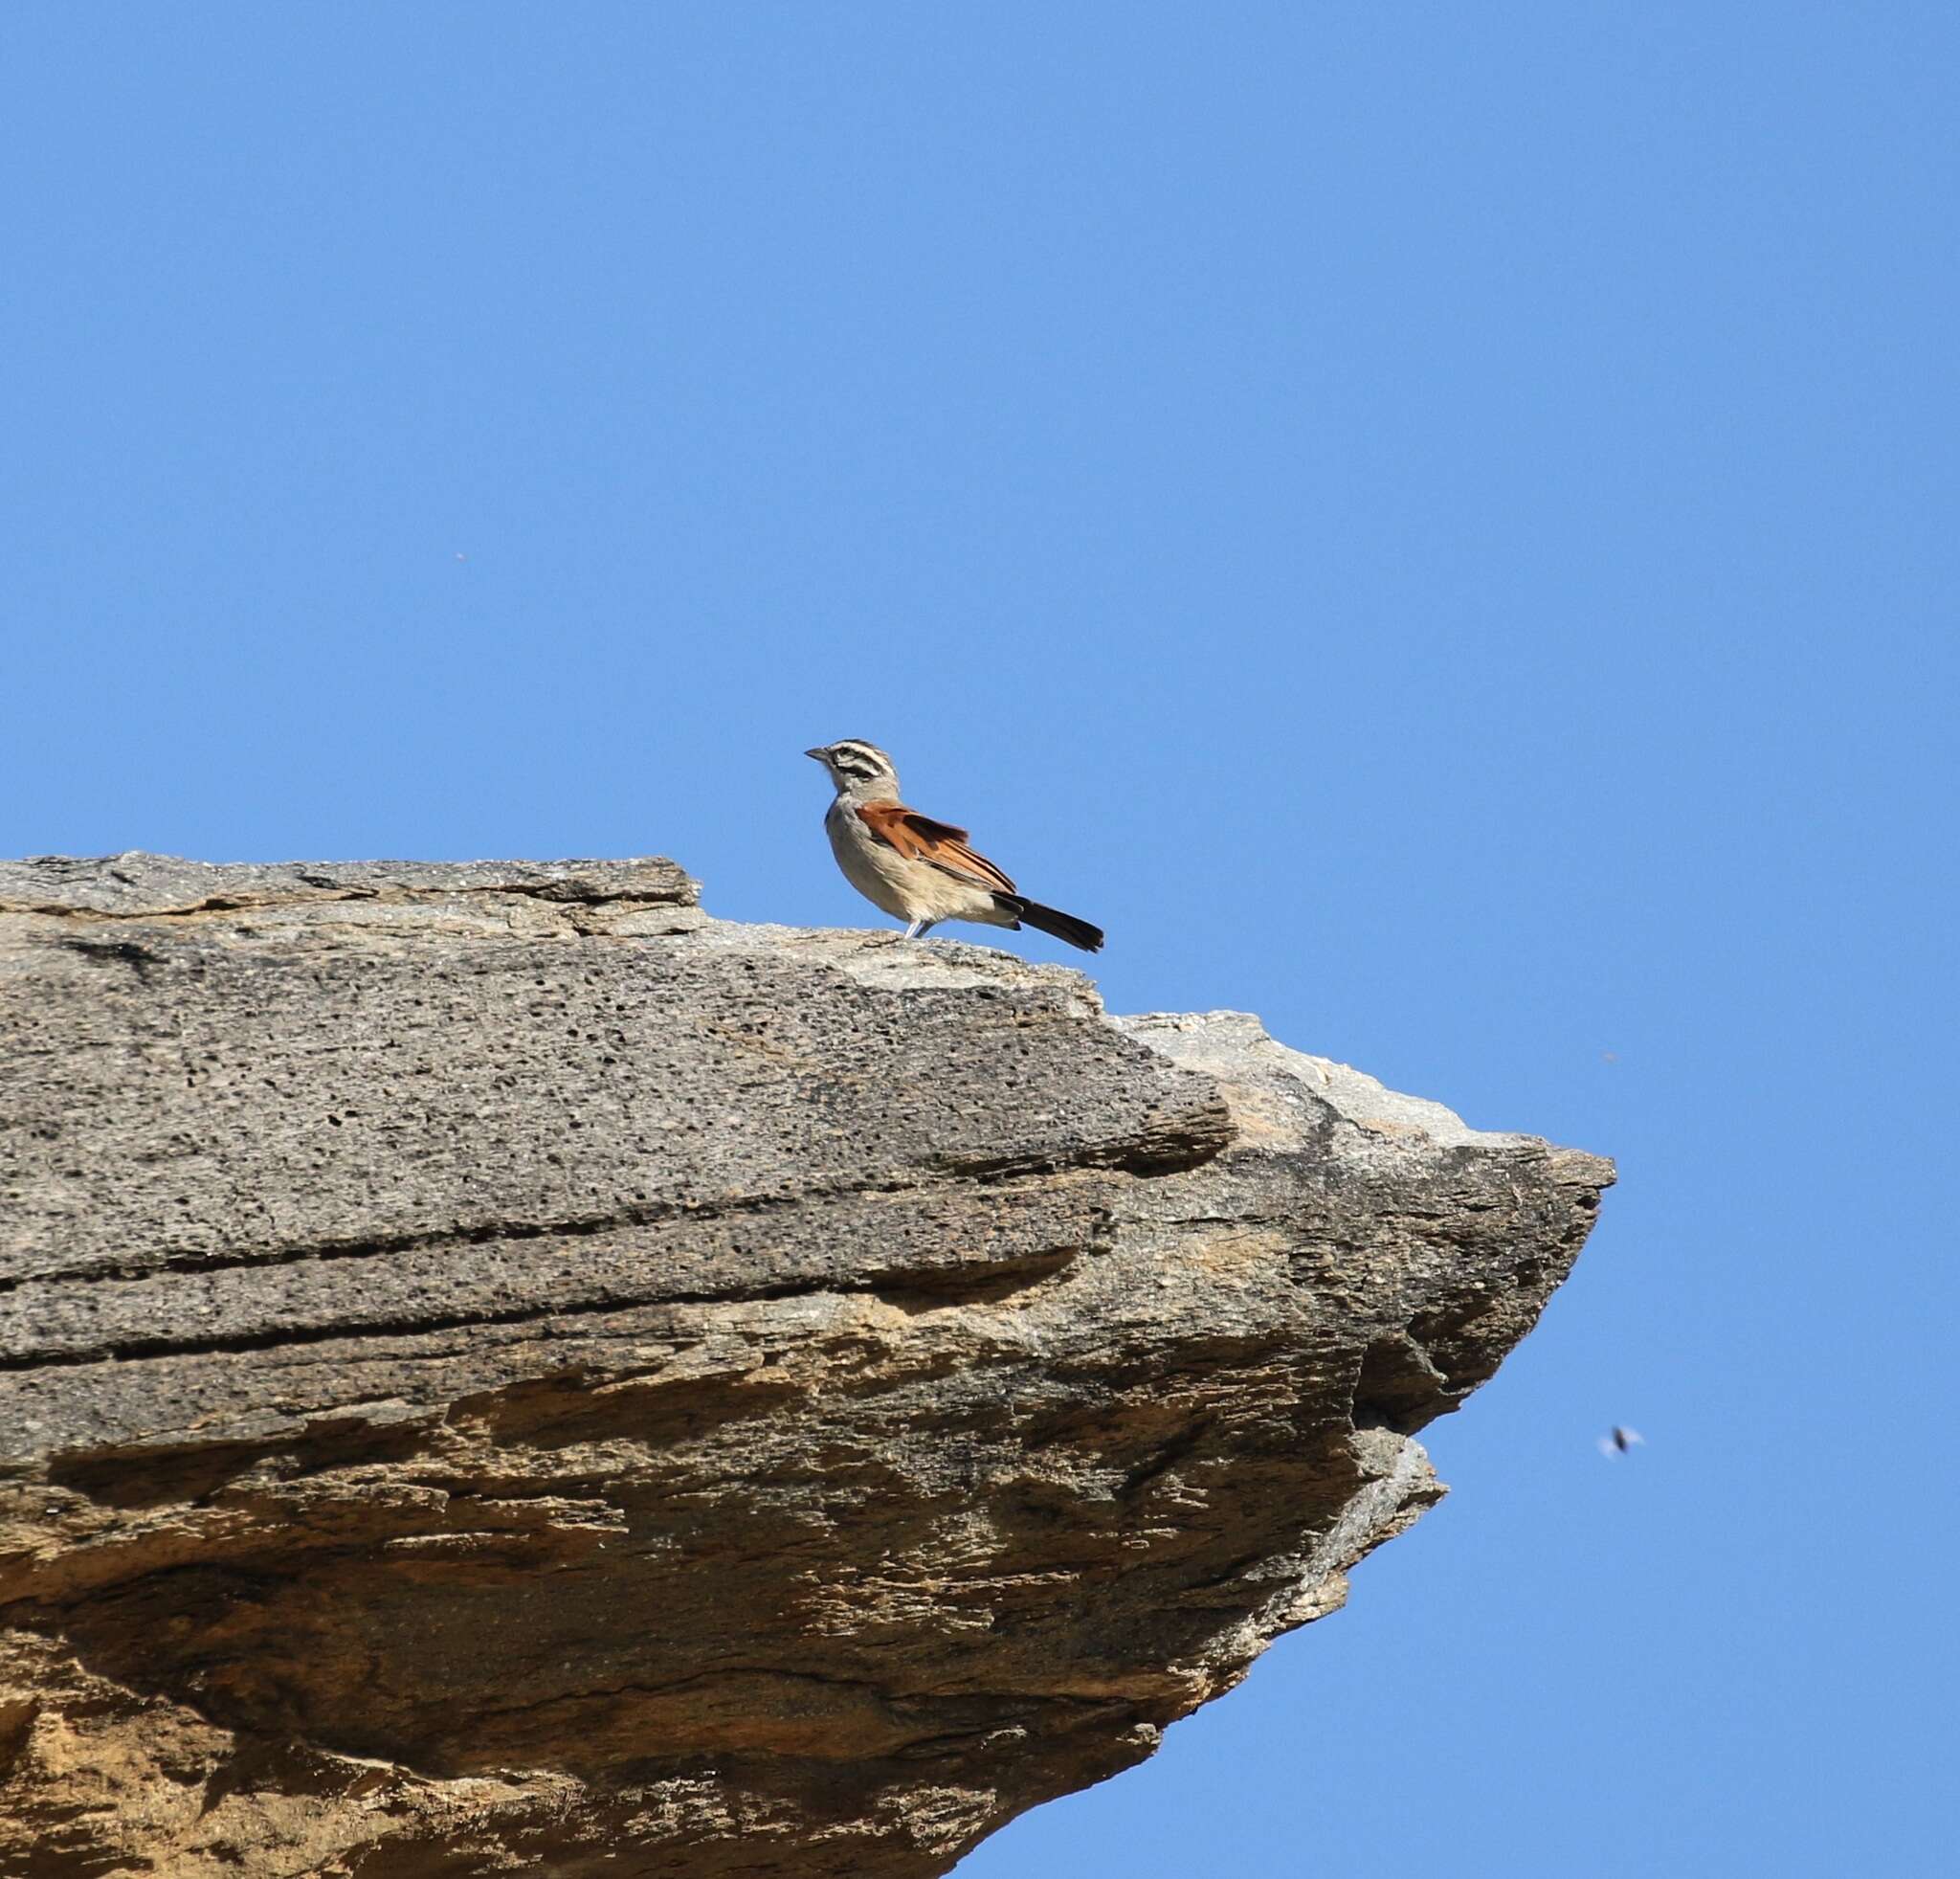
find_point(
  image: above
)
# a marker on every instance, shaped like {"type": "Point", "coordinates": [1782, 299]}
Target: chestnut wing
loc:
{"type": "Point", "coordinates": [938, 844]}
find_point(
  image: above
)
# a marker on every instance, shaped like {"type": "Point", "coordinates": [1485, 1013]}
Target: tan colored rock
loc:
{"type": "Point", "coordinates": [499, 1371]}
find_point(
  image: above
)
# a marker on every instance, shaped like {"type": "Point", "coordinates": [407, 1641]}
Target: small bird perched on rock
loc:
{"type": "Point", "coordinates": [918, 869]}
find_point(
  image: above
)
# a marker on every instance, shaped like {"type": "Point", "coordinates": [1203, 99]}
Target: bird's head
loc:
{"type": "Point", "coordinates": [859, 770]}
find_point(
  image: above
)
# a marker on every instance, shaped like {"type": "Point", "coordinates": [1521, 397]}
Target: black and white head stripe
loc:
{"type": "Point", "coordinates": [853, 757]}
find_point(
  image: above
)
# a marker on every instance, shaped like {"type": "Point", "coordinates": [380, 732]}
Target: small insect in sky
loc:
{"type": "Point", "coordinates": [1618, 1439]}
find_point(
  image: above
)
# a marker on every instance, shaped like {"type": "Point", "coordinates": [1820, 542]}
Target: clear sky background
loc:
{"type": "Point", "coordinates": [1434, 523]}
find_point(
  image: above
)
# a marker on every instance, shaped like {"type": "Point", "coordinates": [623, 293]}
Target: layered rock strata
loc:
{"type": "Point", "coordinates": [499, 1371]}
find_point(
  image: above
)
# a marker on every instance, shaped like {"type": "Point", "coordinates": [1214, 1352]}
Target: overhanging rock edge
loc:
{"type": "Point", "coordinates": [499, 1366]}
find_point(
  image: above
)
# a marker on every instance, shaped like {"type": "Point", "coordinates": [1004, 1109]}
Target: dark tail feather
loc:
{"type": "Point", "coordinates": [1063, 925]}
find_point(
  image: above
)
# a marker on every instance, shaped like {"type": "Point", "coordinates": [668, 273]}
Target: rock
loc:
{"type": "Point", "coordinates": [500, 1370]}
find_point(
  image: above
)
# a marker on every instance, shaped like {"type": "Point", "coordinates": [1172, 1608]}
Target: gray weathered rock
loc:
{"type": "Point", "coordinates": [499, 1369]}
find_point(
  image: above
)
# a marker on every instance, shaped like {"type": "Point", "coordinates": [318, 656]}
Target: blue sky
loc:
{"type": "Point", "coordinates": [1433, 523]}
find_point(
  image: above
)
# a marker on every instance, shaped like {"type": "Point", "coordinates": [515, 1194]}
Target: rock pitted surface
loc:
{"type": "Point", "coordinates": [502, 1371]}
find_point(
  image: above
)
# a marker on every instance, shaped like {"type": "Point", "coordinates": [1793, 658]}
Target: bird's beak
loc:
{"type": "Point", "coordinates": [819, 753]}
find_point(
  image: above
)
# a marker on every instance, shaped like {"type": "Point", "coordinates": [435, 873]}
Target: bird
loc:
{"type": "Point", "coordinates": [918, 869]}
{"type": "Point", "coordinates": [1618, 1439]}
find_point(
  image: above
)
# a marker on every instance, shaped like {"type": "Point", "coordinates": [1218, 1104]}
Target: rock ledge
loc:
{"type": "Point", "coordinates": [499, 1371]}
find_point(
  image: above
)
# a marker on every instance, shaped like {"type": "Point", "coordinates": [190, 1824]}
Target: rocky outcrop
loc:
{"type": "Point", "coordinates": [499, 1371]}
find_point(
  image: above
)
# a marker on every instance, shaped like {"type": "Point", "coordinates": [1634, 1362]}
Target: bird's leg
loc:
{"type": "Point", "coordinates": [919, 929]}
